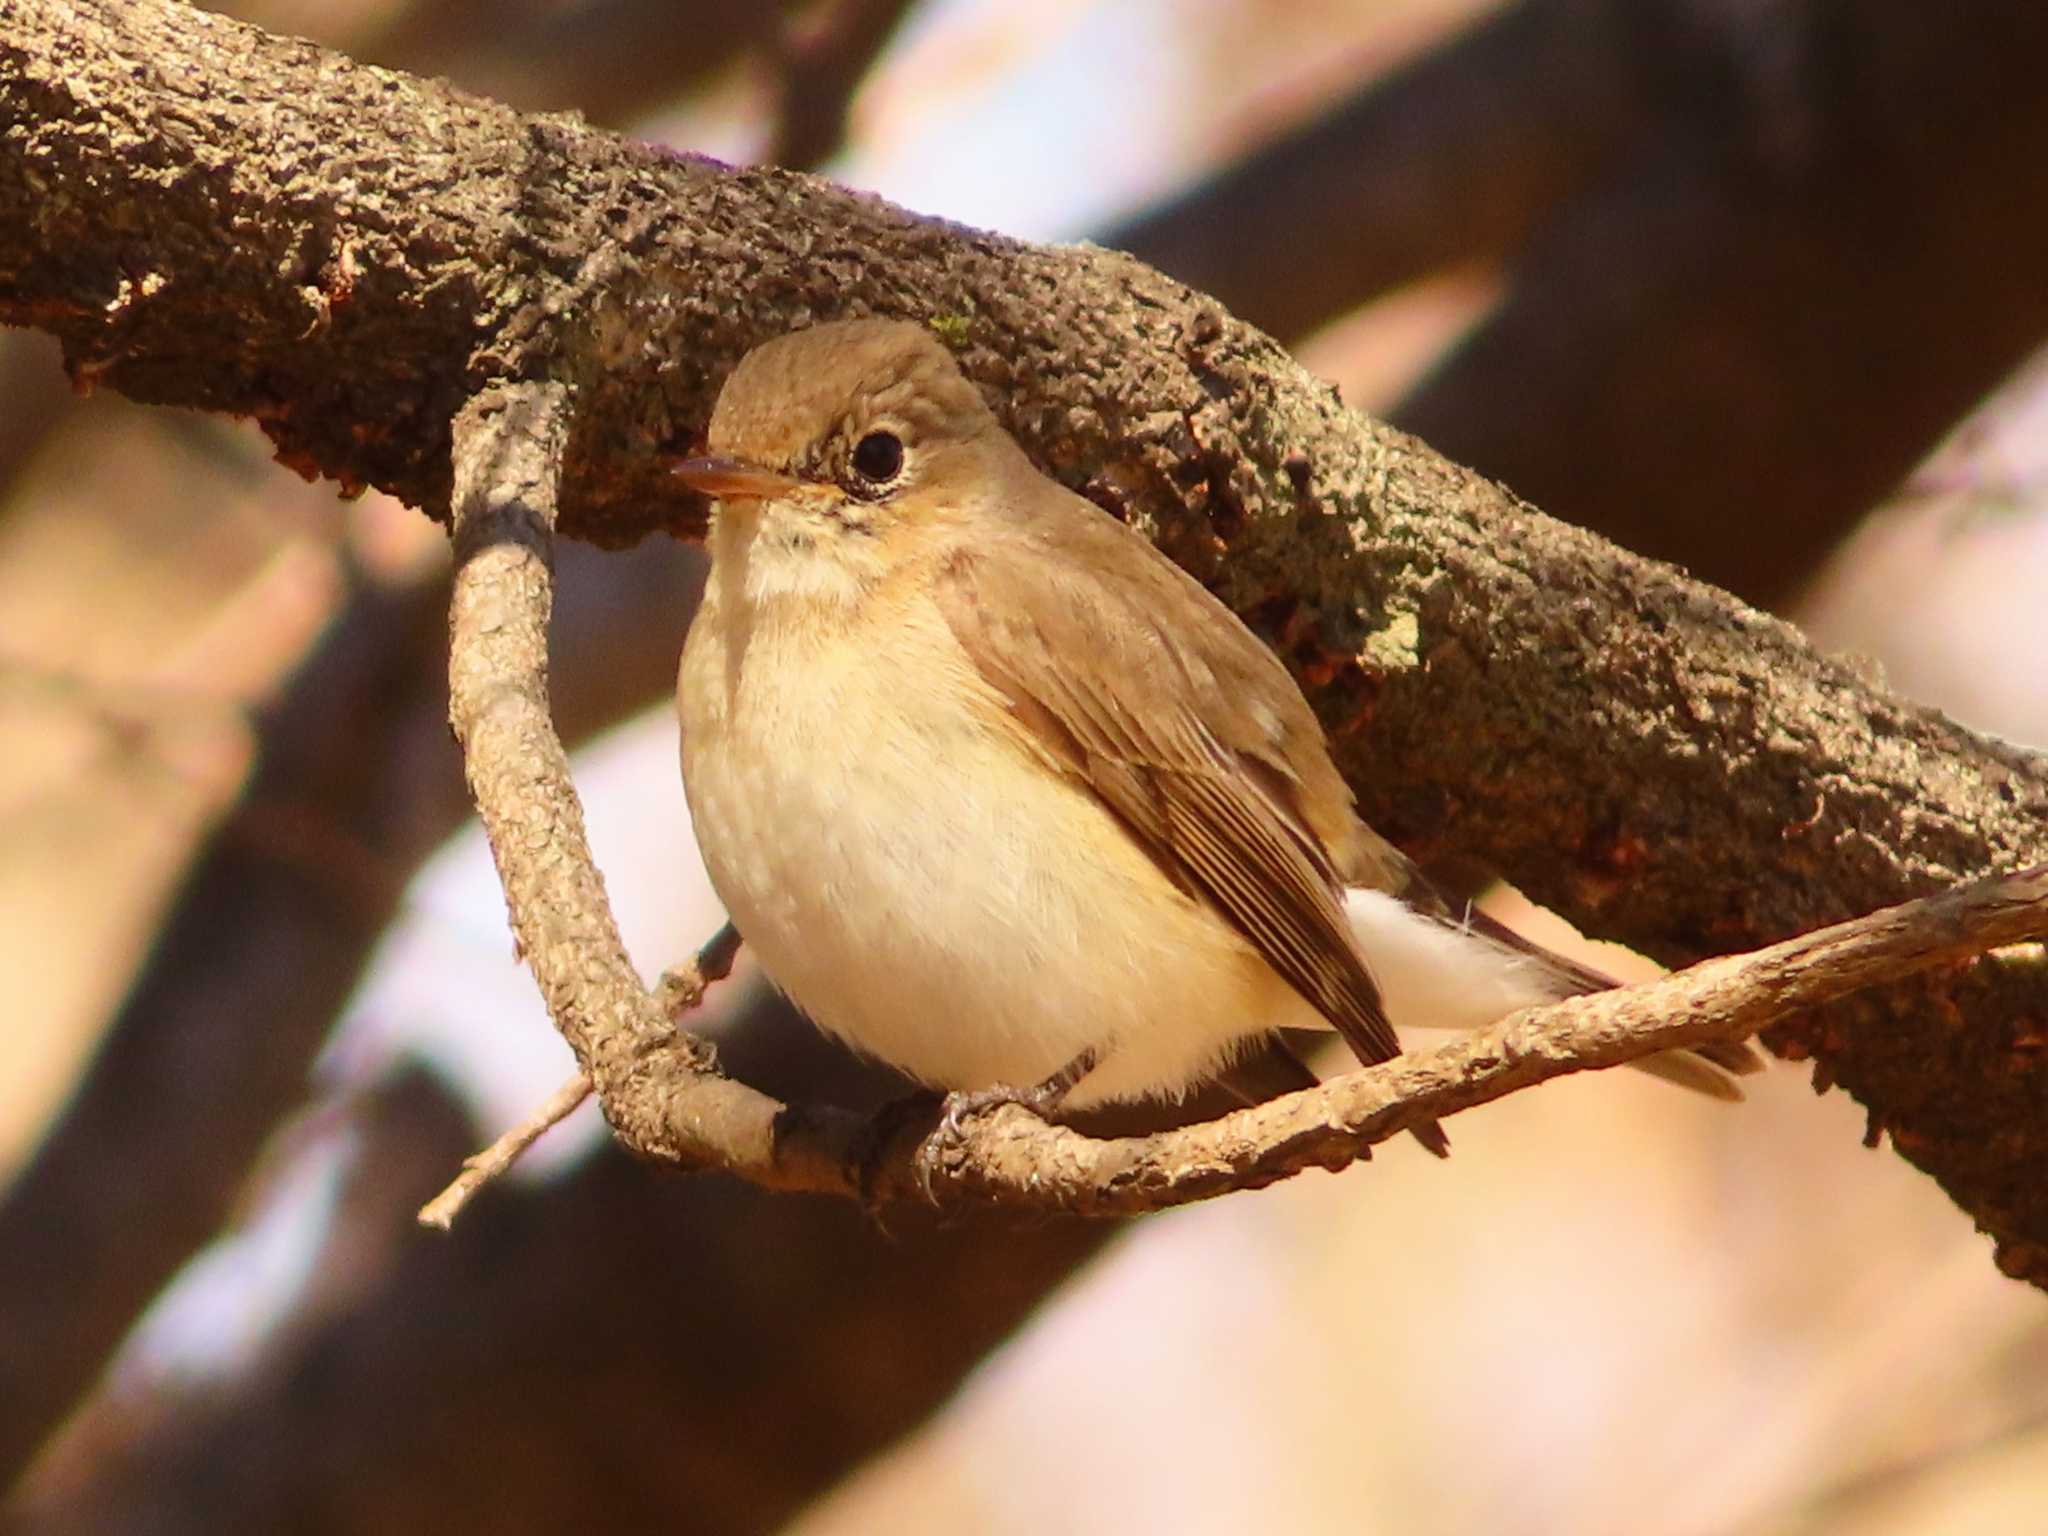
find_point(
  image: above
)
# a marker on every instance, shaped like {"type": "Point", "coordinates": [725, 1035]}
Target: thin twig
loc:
{"type": "Point", "coordinates": [480, 1168]}
{"type": "Point", "coordinates": [681, 987]}
{"type": "Point", "coordinates": [681, 990]}
{"type": "Point", "coordinates": [1017, 1160]}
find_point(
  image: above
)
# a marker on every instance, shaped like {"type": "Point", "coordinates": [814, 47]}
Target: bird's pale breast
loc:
{"type": "Point", "coordinates": [926, 890]}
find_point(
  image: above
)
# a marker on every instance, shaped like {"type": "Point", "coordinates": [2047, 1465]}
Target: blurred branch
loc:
{"type": "Point", "coordinates": [268, 934]}
{"type": "Point", "coordinates": [1663, 764]}
{"type": "Point", "coordinates": [213, 1045]}
{"type": "Point", "coordinates": [1762, 255]}
{"type": "Point", "coordinates": [821, 68]}
{"type": "Point", "coordinates": [615, 61]}
{"type": "Point", "coordinates": [610, 1349]}
{"type": "Point", "coordinates": [1781, 296]}
{"type": "Point", "coordinates": [1449, 159]}
{"type": "Point", "coordinates": [32, 403]}
{"type": "Point", "coordinates": [619, 61]}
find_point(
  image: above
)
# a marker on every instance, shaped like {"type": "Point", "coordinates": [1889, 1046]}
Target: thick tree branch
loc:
{"type": "Point", "coordinates": [350, 255]}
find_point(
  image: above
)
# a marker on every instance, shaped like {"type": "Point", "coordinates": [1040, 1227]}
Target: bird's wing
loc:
{"type": "Point", "coordinates": [1128, 675]}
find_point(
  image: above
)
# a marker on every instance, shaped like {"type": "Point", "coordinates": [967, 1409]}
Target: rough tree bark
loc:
{"type": "Point", "coordinates": [213, 217]}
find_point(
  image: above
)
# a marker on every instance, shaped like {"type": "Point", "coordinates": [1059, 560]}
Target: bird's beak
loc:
{"type": "Point", "coordinates": [723, 476]}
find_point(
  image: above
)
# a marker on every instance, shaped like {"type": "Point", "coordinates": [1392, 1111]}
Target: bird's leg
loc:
{"type": "Point", "coordinates": [1043, 1099]}
{"type": "Point", "coordinates": [954, 1111]}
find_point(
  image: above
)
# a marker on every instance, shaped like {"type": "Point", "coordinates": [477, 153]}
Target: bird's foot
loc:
{"type": "Point", "coordinates": [1042, 1099]}
{"type": "Point", "coordinates": [963, 1105]}
{"type": "Point", "coordinates": [946, 1120]}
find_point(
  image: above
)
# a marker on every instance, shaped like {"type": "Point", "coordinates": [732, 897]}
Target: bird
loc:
{"type": "Point", "coordinates": [1000, 795]}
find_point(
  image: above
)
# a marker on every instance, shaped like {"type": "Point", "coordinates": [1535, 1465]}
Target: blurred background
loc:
{"type": "Point", "coordinates": [1752, 287]}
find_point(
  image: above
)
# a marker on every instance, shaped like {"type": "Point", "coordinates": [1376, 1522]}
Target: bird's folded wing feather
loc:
{"type": "Point", "coordinates": [1231, 788]}
{"type": "Point", "coordinates": [1145, 689]}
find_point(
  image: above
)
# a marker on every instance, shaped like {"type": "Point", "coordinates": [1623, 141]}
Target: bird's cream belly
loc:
{"type": "Point", "coordinates": [927, 892]}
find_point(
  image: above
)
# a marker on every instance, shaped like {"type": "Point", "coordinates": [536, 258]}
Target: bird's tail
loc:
{"type": "Point", "coordinates": [1439, 969]}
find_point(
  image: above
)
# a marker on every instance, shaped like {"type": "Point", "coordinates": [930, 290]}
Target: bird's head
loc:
{"type": "Point", "coordinates": [848, 430]}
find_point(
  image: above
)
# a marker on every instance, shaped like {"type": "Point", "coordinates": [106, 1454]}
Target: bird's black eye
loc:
{"type": "Point", "coordinates": [878, 457]}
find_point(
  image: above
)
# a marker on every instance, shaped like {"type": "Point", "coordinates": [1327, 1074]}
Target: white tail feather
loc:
{"type": "Point", "coordinates": [1434, 976]}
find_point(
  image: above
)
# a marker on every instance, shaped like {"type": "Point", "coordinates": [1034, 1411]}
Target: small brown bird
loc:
{"type": "Point", "coordinates": [1000, 795]}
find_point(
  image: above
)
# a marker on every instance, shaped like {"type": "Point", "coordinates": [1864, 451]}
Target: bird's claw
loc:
{"type": "Point", "coordinates": [963, 1105]}
{"type": "Point", "coordinates": [949, 1133]}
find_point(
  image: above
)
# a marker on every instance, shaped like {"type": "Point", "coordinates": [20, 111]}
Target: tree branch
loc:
{"type": "Point", "coordinates": [616, 60]}
{"type": "Point", "coordinates": [1016, 1159]}
{"type": "Point", "coordinates": [349, 255]}
{"type": "Point", "coordinates": [1801, 218]}
{"type": "Point", "coordinates": [214, 1043]}
{"type": "Point", "coordinates": [480, 1168]}
{"type": "Point", "coordinates": [681, 990]}
{"type": "Point", "coordinates": [1448, 159]}
{"type": "Point", "coordinates": [601, 1350]}
{"type": "Point", "coordinates": [665, 1098]}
